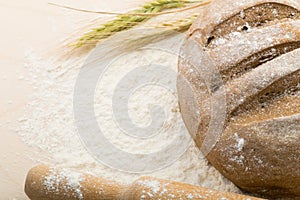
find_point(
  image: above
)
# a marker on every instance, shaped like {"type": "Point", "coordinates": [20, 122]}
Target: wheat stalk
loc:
{"type": "Point", "coordinates": [181, 25]}
{"type": "Point", "coordinates": [133, 18]}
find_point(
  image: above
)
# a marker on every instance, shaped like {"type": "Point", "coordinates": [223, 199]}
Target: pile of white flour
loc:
{"type": "Point", "coordinates": [49, 120]}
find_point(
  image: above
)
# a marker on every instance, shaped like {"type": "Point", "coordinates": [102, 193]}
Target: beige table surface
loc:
{"type": "Point", "coordinates": [31, 24]}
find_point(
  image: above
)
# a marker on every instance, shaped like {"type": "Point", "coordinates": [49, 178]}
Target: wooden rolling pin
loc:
{"type": "Point", "coordinates": [48, 183]}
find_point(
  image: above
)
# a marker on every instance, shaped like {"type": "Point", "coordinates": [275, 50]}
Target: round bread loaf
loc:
{"type": "Point", "coordinates": [253, 46]}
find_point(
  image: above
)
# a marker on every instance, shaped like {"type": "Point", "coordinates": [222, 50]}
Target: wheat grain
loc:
{"type": "Point", "coordinates": [129, 20]}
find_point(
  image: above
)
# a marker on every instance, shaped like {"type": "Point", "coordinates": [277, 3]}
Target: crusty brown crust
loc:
{"type": "Point", "coordinates": [211, 18]}
{"type": "Point", "coordinates": [259, 69]}
{"type": "Point", "coordinates": [267, 160]}
{"type": "Point", "coordinates": [267, 163]}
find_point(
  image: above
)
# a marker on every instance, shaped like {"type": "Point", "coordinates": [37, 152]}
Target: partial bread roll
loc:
{"type": "Point", "coordinates": [254, 47]}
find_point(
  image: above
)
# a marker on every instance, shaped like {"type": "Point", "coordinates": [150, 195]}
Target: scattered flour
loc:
{"type": "Point", "coordinates": [71, 182]}
{"type": "Point", "coordinates": [49, 124]}
{"type": "Point", "coordinates": [189, 196]}
{"type": "Point", "coordinates": [154, 186]}
{"type": "Point", "coordinates": [240, 142]}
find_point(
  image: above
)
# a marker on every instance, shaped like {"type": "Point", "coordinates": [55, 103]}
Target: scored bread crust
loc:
{"type": "Point", "coordinates": [259, 69]}
{"type": "Point", "coordinates": [257, 40]}
{"type": "Point", "coordinates": [260, 152]}
{"type": "Point", "coordinates": [268, 162]}
{"type": "Point", "coordinates": [211, 17]}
